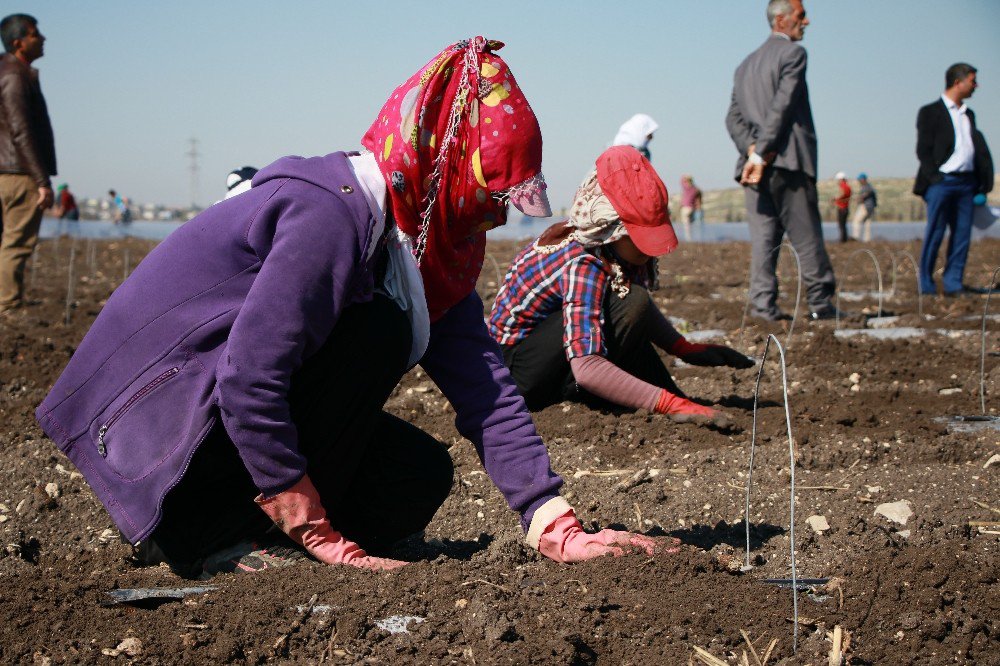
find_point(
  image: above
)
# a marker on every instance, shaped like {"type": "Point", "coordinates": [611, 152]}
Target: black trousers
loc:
{"type": "Point", "coordinates": [380, 479]}
{"type": "Point", "coordinates": [842, 224]}
{"type": "Point", "coordinates": [542, 372]}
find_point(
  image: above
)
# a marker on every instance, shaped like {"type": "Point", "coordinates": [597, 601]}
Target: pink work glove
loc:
{"type": "Point", "coordinates": [565, 541]}
{"type": "Point", "coordinates": [696, 353]}
{"type": "Point", "coordinates": [683, 410]}
{"type": "Point", "coordinates": [300, 515]}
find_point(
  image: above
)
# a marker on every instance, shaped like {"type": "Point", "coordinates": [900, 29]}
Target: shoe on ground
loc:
{"type": "Point", "coordinates": [770, 315]}
{"type": "Point", "coordinates": [830, 312]}
{"type": "Point", "coordinates": [252, 557]}
{"type": "Point", "coordinates": [967, 292]}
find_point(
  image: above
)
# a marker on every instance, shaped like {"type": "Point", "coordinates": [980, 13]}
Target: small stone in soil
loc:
{"type": "Point", "coordinates": [898, 512]}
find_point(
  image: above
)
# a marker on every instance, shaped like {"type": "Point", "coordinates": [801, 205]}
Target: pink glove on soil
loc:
{"type": "Point", "coordinates": [565, 541]}
{"type": "Point", "coordinates": [300, 515]}
{"type": "Point", "coordinates": [683, 410]}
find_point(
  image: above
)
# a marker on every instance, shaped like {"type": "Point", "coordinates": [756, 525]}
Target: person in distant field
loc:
{"type": "Point", "coordinates": [637, 132]}
{"type": "Point", "coordinates": [574, 316]}
{"type": "Point", "coordinates": [232, 389]}
{"type": "Point", "coordinates": [842, 202]}
{"type": "Point", "coordinates": [120, 211]}
{"type": "Point", "coordinates": [66, 208]}
{"type": "Point", "coordinates": [239, 180]}
{"type": "Point", "coordinates": [27, 153]}
{"type": "Point", "coordinates": [770, 121]}
{"type": "Point", "coordinates": [955, 166]}
{"type": "Point", "coordinates": [864, 212]}
{"type": "Point", "coordinates": [690, 204]}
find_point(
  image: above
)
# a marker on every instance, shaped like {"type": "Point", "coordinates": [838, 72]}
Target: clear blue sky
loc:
{"type": "Point", "coordinates": [129, 82]}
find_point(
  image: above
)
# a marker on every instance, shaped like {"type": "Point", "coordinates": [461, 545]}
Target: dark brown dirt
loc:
{"type": "Point", "coordinates": [923, 593]}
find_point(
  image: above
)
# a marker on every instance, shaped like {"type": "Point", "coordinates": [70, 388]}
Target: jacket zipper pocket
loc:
{"type": "Point", "coordinates": [102, 447]}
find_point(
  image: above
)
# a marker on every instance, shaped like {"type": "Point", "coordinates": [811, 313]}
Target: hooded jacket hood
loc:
{"type": "Point", "coordinates": [325, 171]}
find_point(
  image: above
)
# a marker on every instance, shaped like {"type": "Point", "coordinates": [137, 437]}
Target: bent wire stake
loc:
{"type": "Point", "coordinates": [791, 467]}
{"type": "Point", "coordinates": [878, 274]}
{"type": "Point", "coordinates": [69, 285]}
{"type": "Point", "coordinates": [798, 289]}
{"type": "Point", "coordinates": [125, 262]}
{"type": "Point", "coordinates": [916, 272]}
{"type": "Point", "coordinates": [982, 354]}
{"type": "Point", "coordinates": [892, 259]}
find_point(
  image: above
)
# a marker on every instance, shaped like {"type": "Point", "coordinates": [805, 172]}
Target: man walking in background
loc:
{"type": "Point", "coordinates": [955, 165]}
{"type": "Point", "coordinates": [770, 121]}
{"type": "Point", "coordinates": [865, 211]}
{"type": "Point", "coordinates": [842, 201]}
{"type": "Point", "coordinates": [27, 153]}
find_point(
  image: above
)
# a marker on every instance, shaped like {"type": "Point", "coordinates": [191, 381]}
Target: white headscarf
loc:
{"type": "Point", "coordinates": [635, 131]}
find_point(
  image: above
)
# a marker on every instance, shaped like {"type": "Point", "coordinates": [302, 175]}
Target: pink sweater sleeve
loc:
{"type": "Point", "coordinates": [606, 380]}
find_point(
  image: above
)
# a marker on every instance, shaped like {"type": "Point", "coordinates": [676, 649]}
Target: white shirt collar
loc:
{"type": "Point", "coordinates": [782, 35]}
{"type": "Point", "coordinates": [950, 103]}
{"type": "Point", "coordinates": [373, 187]}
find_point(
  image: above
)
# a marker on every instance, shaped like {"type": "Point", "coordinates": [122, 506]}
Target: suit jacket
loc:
{"type": "Point", "coordinates": [770, 107]}
{"type": "Point", "coordinates": [26, 142]}
{"type": "Point", "coordinates": [936, 143]}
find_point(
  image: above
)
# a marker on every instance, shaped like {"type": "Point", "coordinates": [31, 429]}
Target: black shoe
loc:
{"type": "Point", "coordinates": [770, 315]}
{"type": "Point", "coordinates": [830, 312]}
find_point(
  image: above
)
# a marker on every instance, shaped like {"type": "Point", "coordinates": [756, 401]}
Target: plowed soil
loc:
{"type": "Point", "coordinates": [863, 419]}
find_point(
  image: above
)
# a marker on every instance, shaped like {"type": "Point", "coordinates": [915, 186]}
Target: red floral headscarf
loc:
{"type": "Point", "coordinates": [455, 142]}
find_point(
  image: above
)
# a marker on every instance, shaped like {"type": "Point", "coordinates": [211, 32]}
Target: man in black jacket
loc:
{"type": "Point", "coordinates": [27, 153]}
{"type": "Point", "coordinates": [955, 165]}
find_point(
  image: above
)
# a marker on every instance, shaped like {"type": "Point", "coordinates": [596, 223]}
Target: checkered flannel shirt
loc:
{"type": "Point", "coordinates": [537, 285]}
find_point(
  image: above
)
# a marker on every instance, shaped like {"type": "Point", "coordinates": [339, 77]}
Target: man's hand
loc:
{"type": "Point", "coordinates": [753, 170]}
{"type": "Point", "coordinates": [752, 173]}
{"type": "Point", "coordinates": [45, 197]}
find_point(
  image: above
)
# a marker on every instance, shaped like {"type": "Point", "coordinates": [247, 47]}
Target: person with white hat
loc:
{"type": "Point", "coordinates": [842, 201]}
{"type": "Point", "coordinates": [637, 132]}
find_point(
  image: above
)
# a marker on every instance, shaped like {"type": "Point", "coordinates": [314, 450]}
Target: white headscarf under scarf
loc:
{"type": "Point", "coordinates": [592, 218]}
{"type": "Point", "coordinates": [635, 131]}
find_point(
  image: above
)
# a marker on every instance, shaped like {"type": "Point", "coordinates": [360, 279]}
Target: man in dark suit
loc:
{"type": "Point", "coordinates": [955, 165]}
{"type": "Point", "coordinates": [770, 121]}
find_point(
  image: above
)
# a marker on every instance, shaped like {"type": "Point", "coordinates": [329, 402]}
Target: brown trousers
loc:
{"type": "Point", "coordinates": [20, 219]}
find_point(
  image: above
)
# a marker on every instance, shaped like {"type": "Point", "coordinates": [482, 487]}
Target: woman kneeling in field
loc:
{"type": "Point", "coordinates": [234, 385]}
{"type": "Point", "coordinates": [574, 311]}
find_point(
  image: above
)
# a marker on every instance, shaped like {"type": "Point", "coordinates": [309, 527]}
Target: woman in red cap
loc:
{"type": "Point", "coordinates": [574, 310]}
{"type": "Point", "coordinates": [234, 384]}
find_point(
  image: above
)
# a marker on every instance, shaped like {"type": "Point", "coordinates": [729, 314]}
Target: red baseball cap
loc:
{"type": "Point", "coordinates": [632, 186]}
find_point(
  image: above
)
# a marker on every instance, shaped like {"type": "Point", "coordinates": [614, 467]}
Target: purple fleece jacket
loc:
{"type": "Point", "coordinates": [214, 322]}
